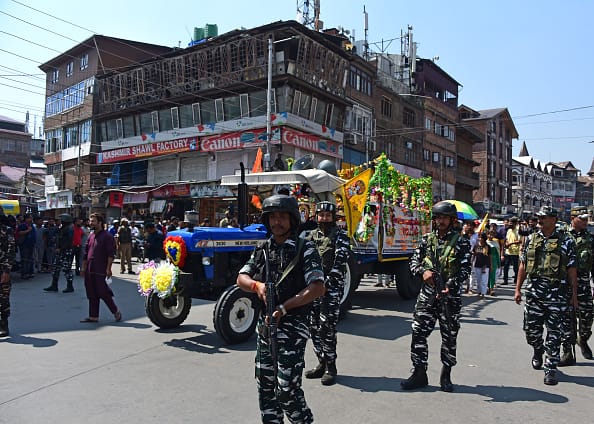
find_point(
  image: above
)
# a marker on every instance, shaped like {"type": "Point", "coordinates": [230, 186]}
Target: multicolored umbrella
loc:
{"type": "Point", "coordinates": [465, 211]}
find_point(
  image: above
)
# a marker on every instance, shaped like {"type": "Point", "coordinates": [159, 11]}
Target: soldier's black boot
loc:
{"type": "Point", "coordinates": [329, 377]}
{"type": "Point", "coordinates": [69, 288]}
{"type": "Point", "coordinates": [417, 380]}
{"type": "Point", "coordinates": [4, 328]}
{"type": "Point", "coordinates": [52, 288]}
{"type": "Point", "coordinates": [537, 359]}
{"type": "Point", "coordinates": [567, 357]}
{"type": "Point", "coordinates": [586, 351]}
{"type": "Point", "coordinates": [317, 372]}
{"type": "Point", "coordinates": [550, 378]}
{"type": "Point", "coordinates": [445, 381]}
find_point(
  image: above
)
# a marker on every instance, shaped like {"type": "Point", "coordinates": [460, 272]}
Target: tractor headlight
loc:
{"type": "Point", "coordinates": [206, 260]}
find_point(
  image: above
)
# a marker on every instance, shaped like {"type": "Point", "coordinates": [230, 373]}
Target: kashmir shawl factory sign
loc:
{"type": "Point", "coordinates": [151, 149]}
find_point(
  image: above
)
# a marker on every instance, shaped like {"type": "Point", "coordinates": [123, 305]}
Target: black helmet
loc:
{"type": "Point", "coordinates": [65, 218]}
{"type": "Point", "coordinates": [280, 203]}
{"type": "Point", "coordinates": [328, 166]}
{"type": "Point", "coordinates": [326, 206]}
{"type": "Point", "coordinates": [444, 209]}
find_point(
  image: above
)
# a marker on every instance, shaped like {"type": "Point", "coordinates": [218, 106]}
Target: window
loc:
{"type": "Point", "coordinates": [408, 118]}
{"type": "Point", "coordinates": [232, 108]}
{"type": "Point", "coordinates": [84, 61]}
{"type": "Point", "coordinates": [219, 110]}
{"type": "Point", "coordinates": [386, 107]}
{"type": "Point", "coordinates": [119, 128]}
{"type": "Point", "coordinates": [312, 110]}
{"type": "Point", "coordinates": [428, 124]}
{"type": "Point", "coordinates": [408, 145]}
{"type": "Point", "coordinates": [175, 118]}
{"type": "Point", "coordinates": [55, 75]}
{"type": "Point", "coordinates": [436, 157]}
{"type": "Point", "coordinates": [207, 112]}
{"type": "Point", "coordinates": [165, 121]}
{"type": "Point", "coordinates": [449, 161]}
{"type": "Point", "coordinates": [426, 155]}
{"type": "Point", "coordinates": [85, 131]}
{"type": "Point", "coordinates": [154, 121]}
{"type": "Point", "coordinates": [360, 81]}
{"type": "Point", "coordinates": [244, 105]}
{"type": "Point", "coordinates": [296, 102]}
{"type": "Point", "coordinates": [437, 129]}
{"type": "Point", "coordinates": [186, 118]}
{"type": "Point", "coordinates": [329, 113]}
{"type": "Point", "coordinates": [257, 101]}
{"type": "Point", "coordinates": [69, 69]}
{"type": "Point", "coordinates": [196, 114]}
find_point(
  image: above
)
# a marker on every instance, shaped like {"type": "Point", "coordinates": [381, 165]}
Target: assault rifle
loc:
{"type": "Point", "coordinates": [270, 326]}
{"type": "Point", "coordinates": [440, 285]}
{"type": "Point", "coordinates": [574, 328]}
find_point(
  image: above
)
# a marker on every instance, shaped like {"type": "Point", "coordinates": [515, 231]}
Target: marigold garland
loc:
{"type": "Point", "coordinates": [145, 278]}
{"type": "Point", "coordinates": [175, 250]}
{"type": "Point", "coordinates": [157, 278]}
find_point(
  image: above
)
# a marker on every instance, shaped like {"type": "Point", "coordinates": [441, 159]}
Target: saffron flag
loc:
{"type": "Point", "coordinates": [258, 162]}
{"type": "Point", "coordinates": [354, 194]}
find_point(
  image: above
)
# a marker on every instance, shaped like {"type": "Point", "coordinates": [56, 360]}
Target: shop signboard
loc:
{"type": "Point", "coordinates": [59, 200]}
{"type": "Point", "coordinates": [312, 143]}
{"type": "Point", "coordinates": [151, 149]}
{"type": "Point", "coordinates": [238, 140]}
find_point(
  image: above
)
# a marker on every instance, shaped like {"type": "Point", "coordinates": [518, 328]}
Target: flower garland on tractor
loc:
{"type": "Point", "coordinates": [162, 278]}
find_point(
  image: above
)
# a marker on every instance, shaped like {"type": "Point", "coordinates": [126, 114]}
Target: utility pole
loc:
{"type": "Point", "coordinates": [268, 108]}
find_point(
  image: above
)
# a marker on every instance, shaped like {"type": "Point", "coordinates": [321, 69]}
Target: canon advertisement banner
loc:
{"type": "Point", "coordinates": [312, 143]}
{"type": "Point", "coordinates": [151, 149]}
{"type": "Point", "coordinates": [238, 140]}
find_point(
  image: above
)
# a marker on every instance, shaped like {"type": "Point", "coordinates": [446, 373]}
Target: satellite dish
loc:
{"type": "Point", "coordinates": [305, 162]}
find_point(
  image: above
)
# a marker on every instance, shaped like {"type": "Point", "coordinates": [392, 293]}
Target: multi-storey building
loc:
{"type": "Point", "coordinates": [15, 143]}
{"type": "Point", "coordinates": [173, 126]}
{"type": "Point", "coordinates": [69, 110]}
{"type": "Point", "coordinates": [564, 178]}
{"type": "Point", "coordinates": [531, 184]}
{"type": "Point", "coordinates": [439, 92]}
{"type": "Point", "coordinates": [494, 155]}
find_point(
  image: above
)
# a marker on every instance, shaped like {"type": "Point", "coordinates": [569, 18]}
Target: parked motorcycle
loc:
{"type": "Point", "coordinates": [138, 248]}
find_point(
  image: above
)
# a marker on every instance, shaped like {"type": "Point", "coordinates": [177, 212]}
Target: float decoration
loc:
{"type": "Point", "coordinates": [145, 278]}
{"type": "Point", "coordinates": [175, 250]}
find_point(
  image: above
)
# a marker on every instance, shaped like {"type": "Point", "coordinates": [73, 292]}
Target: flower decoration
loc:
{"type": "Point", "coordinates": [175, 250]}
{"type": "Point", "coordinates": [145, 278]}
{"type": "Point", "coordinates": [164, 278]}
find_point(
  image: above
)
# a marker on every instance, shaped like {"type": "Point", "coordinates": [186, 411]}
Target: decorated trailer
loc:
{"type": "Point", "coordinates": [385, 213]}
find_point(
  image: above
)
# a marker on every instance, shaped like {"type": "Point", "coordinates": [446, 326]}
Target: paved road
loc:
{"type": "Point", "coordinates": [57, 370]}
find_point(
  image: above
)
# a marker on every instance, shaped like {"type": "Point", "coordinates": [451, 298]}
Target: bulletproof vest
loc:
{"type": "Point", "coordinates": [65, 236]}
{"type": "Point", "coordinates": [449, 266]}
{"type": "Point", "coordinates": [326, 247]}
{"type": "Point", "coordinates": [292, 284]}
{"type": "Point", "coordinates": [544, 257]}
{"type": "Point", "coordinates": [583, 251]}
{"type": "Point", "coordinates": [125, 235]}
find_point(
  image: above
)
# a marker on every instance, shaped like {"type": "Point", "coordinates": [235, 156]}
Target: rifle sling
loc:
{"type": "Point", "coordinates": [289, 268]}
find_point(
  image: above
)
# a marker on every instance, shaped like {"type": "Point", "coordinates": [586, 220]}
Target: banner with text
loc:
{"type": "Point", "coordinates": [238, 140]}
{"type": "Point", "coordinates": [151, 149]}
{"type": "Point", "coordinates": [310, 142]}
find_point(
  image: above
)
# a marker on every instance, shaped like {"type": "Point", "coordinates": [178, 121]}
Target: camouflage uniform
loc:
{"type": "Point", "coordinates": [7, 258]}
{"type": "Point", "coordinates": [334, 250]}
{"type": "Point", "coordinates": [285, 395]}
{"type": "Point", "coordinates": [428, 309]}
{"type": "Point", "coordinates": [63, 259]}
{"type": "Point", "coordinates": [547, 293]}
{"type": "Point", "coordinates": [584, 242]}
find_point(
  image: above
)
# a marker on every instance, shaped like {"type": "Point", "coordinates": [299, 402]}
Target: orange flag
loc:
{"type": "Point", "coordinates": [258, 162]}
{"type": "Point", "coordinates": [354, 194]}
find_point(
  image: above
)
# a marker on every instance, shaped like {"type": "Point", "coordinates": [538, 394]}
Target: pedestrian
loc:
{"type": "Point", "coordinates": [51, 244]}
{"type": "Point", "coordinates": [481, 262]}
{"type": "Point", "coordinates": [548, 261]}
{"type": "Point", "coordinates": [205, 222]}
{"type": "Point", "coordinates": [86, 231]}
{"type": "Point", "coordinates": [124, 243]}
{"type": "Point", "coordinates": [584, 252]}
{"type": "Point", "coordinates": [512, 250]}
{"type": "Point", "coordinates": [77, 236]}
{"type": "Point", "coordinates": [7, 258]}
{"type": "Point", "coordinates": [153, 247]}
{"type": "Point", "coordinates": [295, 266]}
{"type": "Point", "coordinates": [39, 244]}
{"type": "Point", "coordinates": [468, 231]}
{"type": "Point", "coordinates": [26, 241]}
{"type": "Point", "coordinates": [333, 246]}
{"type": "Point", "coordinates": [96, 268]}
{"type": "Point", "coordinates": [226, 221]}
{"type": "Point", "coordinates": [495, 256]}
{"type": "Point", "coordinates": [64, 256]}
{"type": "Point", "coordinates": [442, 254]}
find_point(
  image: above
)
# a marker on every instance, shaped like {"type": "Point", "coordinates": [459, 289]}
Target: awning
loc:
{"type": "Point", "coordinates": [319, 180]}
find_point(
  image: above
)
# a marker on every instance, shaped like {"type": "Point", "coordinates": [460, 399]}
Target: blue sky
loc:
{"type": "Point", "coordinates": [533, 57]}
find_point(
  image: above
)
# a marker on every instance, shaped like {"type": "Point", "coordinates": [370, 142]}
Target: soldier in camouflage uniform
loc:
{"type": "Point", "coordinates": [7, 258]}
{"type": "Point", "coordinates": [294, 294]}
{"type": "Point", "coordinates": [584, 250]}
{"type": "Point", "coordinates": [64, 256]}
{"type": "Point", "coordinates": [441, 253]}
{"type": "Point", "coordinates": [548, 261]}
{"type": "Point", "coordinates": [333, 247]}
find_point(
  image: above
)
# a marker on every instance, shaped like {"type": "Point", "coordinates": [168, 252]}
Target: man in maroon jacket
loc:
{"type": "Point", "coordinates": [96, 267]}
